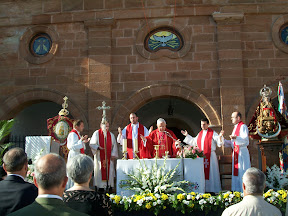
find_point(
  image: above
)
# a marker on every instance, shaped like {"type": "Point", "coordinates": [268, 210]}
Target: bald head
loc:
{"type": "Point", "coordinates": [14, 160]}
{"type": "Point", "coordinates": [50, 171]}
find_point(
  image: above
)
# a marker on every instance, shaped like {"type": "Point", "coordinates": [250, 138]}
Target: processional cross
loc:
{"type": "Point", "coordinates": [104, 108]}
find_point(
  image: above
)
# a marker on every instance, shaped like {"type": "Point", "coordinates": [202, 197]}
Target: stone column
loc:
{"type": "Point", "coordinates": [99, 69]}
{"type": "Point", "coordinates": [230, 66]}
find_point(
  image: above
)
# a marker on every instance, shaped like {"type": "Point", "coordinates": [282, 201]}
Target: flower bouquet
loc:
{"type": "Point", "coordinates": [191, 152]}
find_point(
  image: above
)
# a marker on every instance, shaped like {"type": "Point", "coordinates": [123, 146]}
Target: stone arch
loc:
{"type": "Point", "coordinates": [152, 92]}
{"type": "Point", "coordinates": [15, 102]}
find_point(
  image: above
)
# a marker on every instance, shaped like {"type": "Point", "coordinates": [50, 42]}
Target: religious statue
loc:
{"type": "Point", "coordinates": [264, 122]}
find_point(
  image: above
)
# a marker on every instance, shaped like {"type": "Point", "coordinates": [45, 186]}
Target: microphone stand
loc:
{"type": "Point", "coordinates": [182, 145]}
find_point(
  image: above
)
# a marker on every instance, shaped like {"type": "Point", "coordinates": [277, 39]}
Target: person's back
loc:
{"type": "Point", "coordinates": [15, 193]}
{"type": "Point", "coordinates": [254, 206]}
{"type": "Point", "coordinates": [253, 203]}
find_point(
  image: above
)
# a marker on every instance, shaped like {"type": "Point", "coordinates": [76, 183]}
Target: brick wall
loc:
{"type": "Point", "coordinates": [97, 59]}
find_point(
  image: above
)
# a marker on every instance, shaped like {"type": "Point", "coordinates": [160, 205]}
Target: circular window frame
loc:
{"type": "Point", "coordinates": [25, 44]}
{"type": "Point", "coordinates": [184, 31]}
{"type": "Point", "coordinates": [276, 29]}
{"type": "Point", "coordinates": [33, 39]}
{"type": "Point", "coordinates": [163, 28]}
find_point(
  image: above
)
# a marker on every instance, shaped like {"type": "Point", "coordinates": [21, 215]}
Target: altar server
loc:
{"type": "Point", "coordinates": [104, 148]}
{"type": "Point", "coordinates": [207, 140]}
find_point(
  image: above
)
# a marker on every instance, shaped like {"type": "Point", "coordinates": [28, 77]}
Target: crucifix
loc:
{"type": "Point", "coordinates": [104, 121]}
{"type": "Point", "coordinates": [104, 108]}
{"type": "Point", "coordinates": [65, 104]}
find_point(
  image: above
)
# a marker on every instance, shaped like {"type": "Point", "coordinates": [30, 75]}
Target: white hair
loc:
{"type": "Point", "coordinates": [254, 181]}
{"type": "Point", "coordinates": [79, 168]}
{"type": "Point", "coordinates": [161, 120]}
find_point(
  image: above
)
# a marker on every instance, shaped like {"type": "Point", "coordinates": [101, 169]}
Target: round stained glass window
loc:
{"type": "Point", "coordinates": [284, 34]}
{"type": "Point", "coordinates": [163, 38]}
{"type": "Point", "coordinates": [40, 44]}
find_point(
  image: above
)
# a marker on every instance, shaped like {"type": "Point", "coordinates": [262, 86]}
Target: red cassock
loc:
{"type": "Point", "coordinates": [166, 143]}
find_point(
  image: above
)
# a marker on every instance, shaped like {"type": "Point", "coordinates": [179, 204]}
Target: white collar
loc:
{"type": "Point", "coordinates": [16, 175]}
{"type": "Point", "coordinates": [135, 124]}
{"type": "Point", "coordinates": [49, 196]}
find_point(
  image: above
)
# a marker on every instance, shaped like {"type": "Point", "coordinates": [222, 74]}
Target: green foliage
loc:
{"type": "Point", "coordinates": [5, 130]}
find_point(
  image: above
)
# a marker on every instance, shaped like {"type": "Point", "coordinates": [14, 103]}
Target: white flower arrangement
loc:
{"type": "Point", "coordinates": [276, 179]}
{"type": "Point", "coordinates": [156, 180]}
{"type": "Point", "coordinates": [30, 172]}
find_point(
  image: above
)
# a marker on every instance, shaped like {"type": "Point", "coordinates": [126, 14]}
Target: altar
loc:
{"type": "Point", "coordinates": [189, 169]}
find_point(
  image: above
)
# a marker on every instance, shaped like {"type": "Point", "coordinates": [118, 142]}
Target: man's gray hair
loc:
{"type": "Point", "coordinates": [161, 120]}
{"type": "Point", "coordinates": [254, 181]}
{"type": "Point", "coordinates": [15, 159]}
{"type": "Point", "coordinates": [79, 168]}
{"type": "Point", "coordinates": [51, 173]}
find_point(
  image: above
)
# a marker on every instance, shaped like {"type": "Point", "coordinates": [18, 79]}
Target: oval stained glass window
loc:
{"type": "Point", "coordinates": [163, 38]}
{"type": "Point", "coordinates": [284, 34]}
{"type": "Point", "coordinates": [40, 44]}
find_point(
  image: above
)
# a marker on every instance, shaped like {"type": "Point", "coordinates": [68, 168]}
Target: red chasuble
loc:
{"type": "Point", "coordinates": [236, 149]}
{"type": "Point", "coordinates": [142, 150]}
{"type": "Point", "coordinates": [166, 143]}
{"type": "Point", "coordinates": [82, 150]}
{"type": "Point", "coordinates": [105, 155]}
{"type": "Point", "coordinates": [207, 149]}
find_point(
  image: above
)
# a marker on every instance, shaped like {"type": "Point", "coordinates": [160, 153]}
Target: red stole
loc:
{"type": "Point", "coordinates": [207, 149]}
{"type": "Point", "coordinates": [142, 152]}
{"type": "Point", "coordinates": [236, 150]}
{"type": "Point", "coordinates": [105, 154]}
{"type": "Point", "coordinates": [82, 150]}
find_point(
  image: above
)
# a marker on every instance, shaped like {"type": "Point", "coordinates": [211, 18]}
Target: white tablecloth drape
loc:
{"type": "Point", "coordinates": [191, 168]}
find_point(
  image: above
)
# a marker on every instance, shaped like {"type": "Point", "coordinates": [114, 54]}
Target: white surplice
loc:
{"type": "Point", "coordinates": [213, 184]}
{"type": "Point", "coordinates": [94, 144]}
{"type": "Point", "coordinates": [243, 158]}
{"type": "Point", "coordinates": [134, 135]}
{"type": "Point", "coordinates": [74, 144]}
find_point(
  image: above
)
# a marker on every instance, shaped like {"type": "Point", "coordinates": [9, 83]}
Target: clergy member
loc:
{"type": "Point", "coordinates": [132, 133]}
{"type": "Point", "coordinates": [104, 171]}
{"type": "Point", "coordinates": [76, 143]}
{"type": "Point", "coordinates": [240, 156]}
{"type": "Point", "coordinates": [163, 137]}
{"type": "Point", "coordinates": [207, 140]}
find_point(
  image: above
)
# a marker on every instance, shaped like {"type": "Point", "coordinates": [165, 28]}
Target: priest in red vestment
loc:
{"type": "Point", "coordinates": [163, 137]}
{"type": "Point", "coordinates": [132, 133]}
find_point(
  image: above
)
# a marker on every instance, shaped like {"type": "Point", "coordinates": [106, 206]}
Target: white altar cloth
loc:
{"type": "Point", "coordinates": [193, 172]}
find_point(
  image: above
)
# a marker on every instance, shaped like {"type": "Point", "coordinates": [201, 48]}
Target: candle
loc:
{"type": "Point", "coordinates": [124, 146]}
{"type": "Point", "coordinates": [135, 145]}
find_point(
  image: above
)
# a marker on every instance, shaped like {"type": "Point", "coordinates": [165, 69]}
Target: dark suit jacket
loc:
{"type": "Point", "coordinates": [15, 194]}
{"type": "Point", "coordinates": [47, 207]}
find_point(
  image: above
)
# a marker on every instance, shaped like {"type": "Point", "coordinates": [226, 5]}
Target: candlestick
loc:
{"type": "Point", "coordinates": [124, 155]}
{"type": "Point", "coordinates": [135, 145]}
{"type": "Point", "coordinates": [124, 145]}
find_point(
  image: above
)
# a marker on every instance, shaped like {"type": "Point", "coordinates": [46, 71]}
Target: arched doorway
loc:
{"type": "Point", "coordinates": [179, 114]}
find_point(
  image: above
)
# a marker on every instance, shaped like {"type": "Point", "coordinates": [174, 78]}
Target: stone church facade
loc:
{"type": "Point", "coordinates": [95, 50]}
